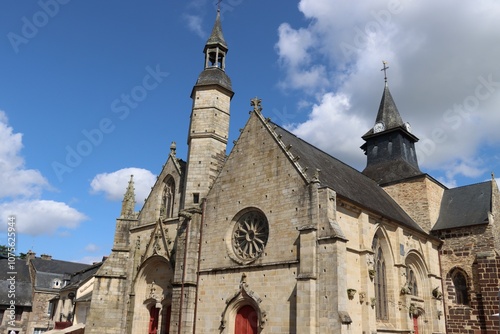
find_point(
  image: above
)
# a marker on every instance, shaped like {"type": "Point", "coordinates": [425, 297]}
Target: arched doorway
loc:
{"type": "Point", "coordinates": [246, 320]}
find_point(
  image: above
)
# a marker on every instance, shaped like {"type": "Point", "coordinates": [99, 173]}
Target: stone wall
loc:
{"type": "Point", "coordinates": [420, 197]}
{"type": "Point", "coordinates": [471, 250]}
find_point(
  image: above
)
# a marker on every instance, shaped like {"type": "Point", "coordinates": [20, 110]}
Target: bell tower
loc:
{"type": "Point", "coordinates": [209, 124]}
{"type": "Point", "coordinates": [390, 146]}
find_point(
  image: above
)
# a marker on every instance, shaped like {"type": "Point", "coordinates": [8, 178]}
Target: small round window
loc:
{"type": "Point", "coordinates": [250, 236]}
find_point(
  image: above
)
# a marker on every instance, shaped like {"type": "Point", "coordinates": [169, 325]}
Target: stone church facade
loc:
{"type": "Point", "coordinates": [280, 237]}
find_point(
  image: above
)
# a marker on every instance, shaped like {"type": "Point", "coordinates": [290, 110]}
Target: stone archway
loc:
{"type": "Point", "coordinates": [243, 314]}
{"type": "Point", "coordinates": [153, 296]}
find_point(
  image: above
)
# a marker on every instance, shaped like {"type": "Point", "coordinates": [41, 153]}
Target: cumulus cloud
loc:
{"type": "Point", "coordinates": [16, 180]}
{"type": "Point", "coordinates": [37, 217]}
{"type": "Point", "coordinates": [114, 184]}
{"type": "Point", "coordinates": [22, 188]}
{"type": "Point", "coordinates": [333, 109]}
{"type": "Point", "coordinates": [194, 23]}
{"type": "Point", "coordinates": [443, 74]}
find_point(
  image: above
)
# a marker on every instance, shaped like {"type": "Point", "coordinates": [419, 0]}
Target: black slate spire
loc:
{"type": "Point", "coordinates": [390, 145]}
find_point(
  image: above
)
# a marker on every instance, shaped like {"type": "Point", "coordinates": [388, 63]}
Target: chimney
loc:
{"type": "Point", "coordinates": [46, 257]}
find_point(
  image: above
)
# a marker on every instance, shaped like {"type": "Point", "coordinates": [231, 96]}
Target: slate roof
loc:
{"type": "Point", "coordinates": [345, 180]}
{"type": "Point", "coordinates": [81, 276]}
{"type": "Point", "coordinates": [48, 270]}
{"type": "Point", "coordinates": [214, 76]}
{"type": "Point", "coordinates": [216, 37]}
{"type": "Point", "coordinates": [465, 206]}
{"type": "Point", "coordinates": [387, 113]}
{"type": "Point", "coordinates": [23, 282]}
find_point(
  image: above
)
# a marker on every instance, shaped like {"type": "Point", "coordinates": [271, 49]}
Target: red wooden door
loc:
{"type": "Point", "coordinates": [415, 325]}
{"type": "Point", "coordinates": [246, 321]}
{"type": "Point", "coordinates": [153, 320]}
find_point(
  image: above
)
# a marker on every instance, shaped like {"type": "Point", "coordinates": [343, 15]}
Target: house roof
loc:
{"type": "Point", "coordinates": [465, 206]}
{"type": "Point", "coordinates": [346, 181]}
{"type": "Point", "coordinates": [57, 266]}
{"type": "Point", "coordinates": [79, 277]}
{"type": "Point", "coordinates": [49, 270]}
{"type": "Point", "coordinates": [23, 282]}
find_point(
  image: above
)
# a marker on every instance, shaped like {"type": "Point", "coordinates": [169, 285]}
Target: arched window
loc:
{"type": "Point", "coordinates": [246, 320]}
{"type": "Point", "coordinates": [168, 197]}
{"type": "Point", "coordinates": [380, 281]}
{"type": "Point", "coordinates": [460, 284]}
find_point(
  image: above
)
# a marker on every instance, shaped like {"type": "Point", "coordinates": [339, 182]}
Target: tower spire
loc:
{"type": "Point", "coordinates": [209, 122]}
{"type": "Point", "coordinates": [390, 145]}
{"type": "Point", "coordinates": [128, 203]}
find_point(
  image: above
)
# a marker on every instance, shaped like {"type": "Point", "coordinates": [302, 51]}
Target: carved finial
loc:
{"type": "Point", "coordinates": [492, 175]}
{"type": "Point", "coordinates": [316, 175]}
{"type": "Point", "coordinates": [128, 203]}
{"type": "Point", "coordinates": [385, 70]}
{"type": "Point", "coordinates": [256, 104]}
{"type": "Point", "coordinates": [243, 278]}
{"type": "Point", "coordinates": [173, 148]}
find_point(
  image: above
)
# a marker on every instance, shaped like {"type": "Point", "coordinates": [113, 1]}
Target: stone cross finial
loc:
{"type": "Point", "coordinates": [173, 148]}
{"type": "Point", "coordinates": [256, 104]}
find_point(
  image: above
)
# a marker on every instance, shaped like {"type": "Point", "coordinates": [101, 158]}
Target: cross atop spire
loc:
{"type": "Point", "coordinates": [385, 70]}
{"type": "Point", "coordinates": [218, 5]}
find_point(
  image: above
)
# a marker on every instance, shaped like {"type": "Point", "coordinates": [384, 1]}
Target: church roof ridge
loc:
{"type": "Point", "coordinates": [345, 180]}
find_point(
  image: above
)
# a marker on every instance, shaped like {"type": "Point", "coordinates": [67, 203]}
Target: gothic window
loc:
{"type": "Point", "coordinates": [167, 205]}
{"type": "Point", "coordinates": [380, 281]}
{"type": "Point", "coordinates": [411, 280]}
{"type": "Point", "coordinates": [460, 284]}
{"type": "Point", "coordinates": [250, 235]}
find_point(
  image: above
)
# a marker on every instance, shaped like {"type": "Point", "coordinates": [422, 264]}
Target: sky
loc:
{"type": "Point", "coordinates": [92, 92]}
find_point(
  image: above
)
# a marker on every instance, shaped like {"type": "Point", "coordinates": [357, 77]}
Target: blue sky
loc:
{"type": "Point", "coordinates": [93, 91]}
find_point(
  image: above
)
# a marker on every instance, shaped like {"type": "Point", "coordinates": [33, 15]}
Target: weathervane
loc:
{"type": "Point", "coordinates": [218, 5]}
{"type": "Point", "coordinates": [385, 70]}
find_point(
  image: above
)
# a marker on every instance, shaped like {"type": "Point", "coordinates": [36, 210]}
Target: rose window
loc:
{"type": "Point", "coordinates": [250, 236]}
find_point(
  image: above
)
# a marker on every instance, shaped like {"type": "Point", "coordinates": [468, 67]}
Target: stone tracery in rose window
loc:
{"type": "Point", "coordinates": [250, 236]}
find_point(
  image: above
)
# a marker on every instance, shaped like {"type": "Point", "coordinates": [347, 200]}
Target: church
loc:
{"type": "Point", "coordinates": [277, 236]}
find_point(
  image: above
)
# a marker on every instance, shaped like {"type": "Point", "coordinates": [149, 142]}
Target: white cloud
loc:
{"type": "Point", "coordinates": [92, 248]}
{"type": "Point", "coordinates": [114, 184]}
{"type": "Point", "coordinates": [37, 217]}
{"type": "Point", "coordinates": [22, 188]}
{"type": "Point", "coordinates": [15, 179]}
{"type": "Point", "coordinates": [443, 74]}
{"type": "Point", "coordinates": [194, 23]}
{"type": "Point", "coordinates": [322, 126]}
